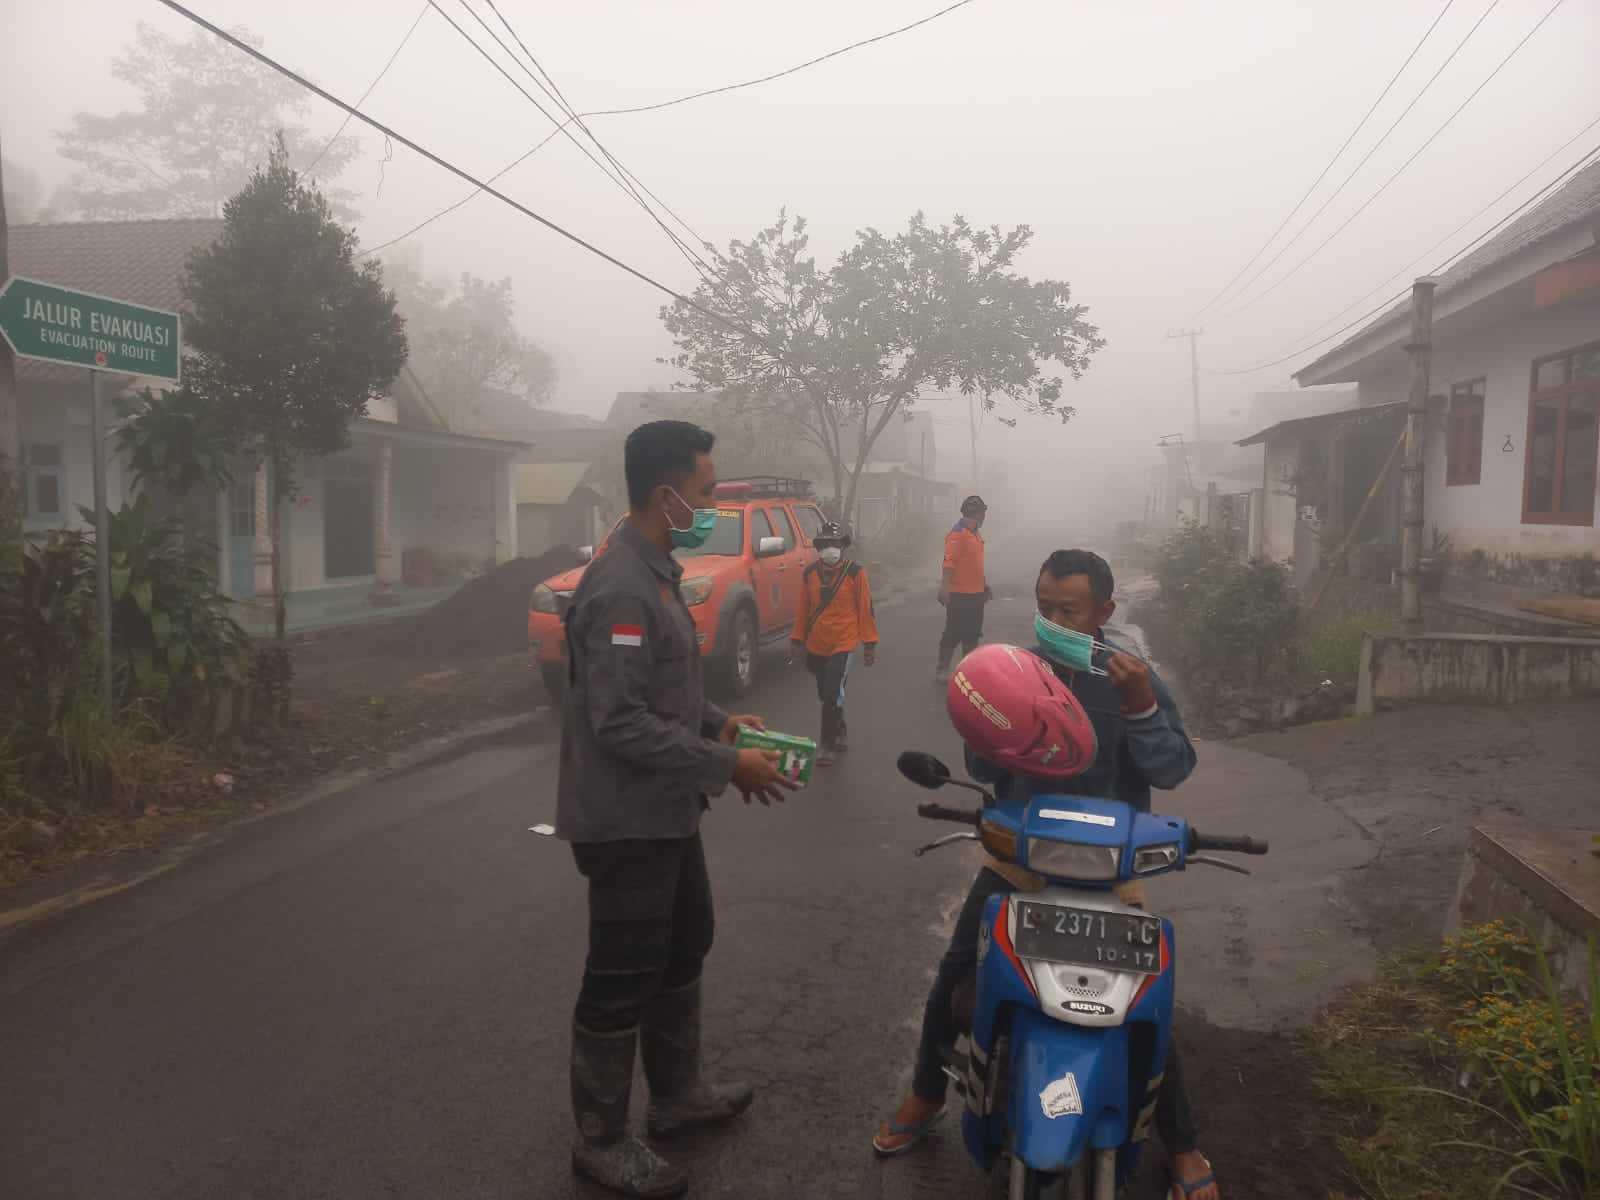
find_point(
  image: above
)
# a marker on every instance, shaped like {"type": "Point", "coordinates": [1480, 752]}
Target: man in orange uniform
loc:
{"type": "Point", "coordinates": [963, 589]}
{"type": "Point", "coordinates": [833, 616]}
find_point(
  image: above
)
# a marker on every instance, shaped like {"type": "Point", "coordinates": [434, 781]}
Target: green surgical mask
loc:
{"type": "Point", "coordinates": [1067, 646]}
{"type": "Point", "coordinates": [700, 528]}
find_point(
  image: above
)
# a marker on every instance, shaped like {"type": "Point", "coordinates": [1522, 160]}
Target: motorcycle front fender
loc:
{"type": "Point", "coordinates": [1069, 1090]}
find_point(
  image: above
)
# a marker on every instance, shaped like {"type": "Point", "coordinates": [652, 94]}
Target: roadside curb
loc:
{"type": "Point", "coordinates": [54, 898]}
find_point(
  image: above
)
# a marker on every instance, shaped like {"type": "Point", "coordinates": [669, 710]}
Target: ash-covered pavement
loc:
{"type": "Point", "coordinates": [370, 996]}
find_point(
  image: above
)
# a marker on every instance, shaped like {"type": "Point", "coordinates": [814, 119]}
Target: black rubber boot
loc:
{"type": "Point", "coordinates": [825, 743]}
{"type": "Point", "coordinates": [602, 1083]}
{"type": "Point", "coordinates": [680, 1100]}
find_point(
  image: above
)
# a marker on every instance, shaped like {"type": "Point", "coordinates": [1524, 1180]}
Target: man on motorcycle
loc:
{"type": "Point", "coordinates": [1142, 744]}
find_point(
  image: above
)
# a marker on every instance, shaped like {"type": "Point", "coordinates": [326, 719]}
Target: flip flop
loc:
{"type": "Point", "coordinates": [917, 1130]}
{"type": "Point", "coordinates": [1193, 1185]}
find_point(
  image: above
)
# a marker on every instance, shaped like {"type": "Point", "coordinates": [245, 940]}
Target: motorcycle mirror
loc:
{"type": "Point", "coordinates": [923, 769]}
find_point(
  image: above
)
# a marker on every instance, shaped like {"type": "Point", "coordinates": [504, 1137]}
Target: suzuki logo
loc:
{"type": "Point", "coordinates": [1088, 1008]}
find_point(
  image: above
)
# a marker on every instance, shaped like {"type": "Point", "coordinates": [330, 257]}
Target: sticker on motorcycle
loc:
{"type": "Point", "coordinates": [1083, 818]}
{"type": "Point", "coordinates": [1061, 1098]}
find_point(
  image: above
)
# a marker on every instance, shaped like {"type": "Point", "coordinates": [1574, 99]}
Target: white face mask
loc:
{"type": "Point", "coordinates": [830, 555]}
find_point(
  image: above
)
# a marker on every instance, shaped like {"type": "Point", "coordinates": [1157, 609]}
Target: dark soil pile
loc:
{"type": "Point", "coordinates": [486, 616]}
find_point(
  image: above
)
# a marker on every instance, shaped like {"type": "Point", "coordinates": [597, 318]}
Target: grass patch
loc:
{"type": "Point", "coordinates": [1463, 1075]}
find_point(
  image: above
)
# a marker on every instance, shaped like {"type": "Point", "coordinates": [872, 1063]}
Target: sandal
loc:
{"type": "Point", "coordinates": [1193, 1185]}
{"type": "Point", "coordinates": [915, 1132]}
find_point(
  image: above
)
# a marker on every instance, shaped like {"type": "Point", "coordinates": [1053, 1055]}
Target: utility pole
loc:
{"type": "Point", "coordinates": [1420, 351]}
{"type": "Point", "coordinates": [1194, 371]}
{"type": "Point", "coordinates": [8, 381]}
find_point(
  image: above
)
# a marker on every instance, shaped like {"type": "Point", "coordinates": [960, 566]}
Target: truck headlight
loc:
{"type": "Point", "coordinates": [1070, 860]}
{"type": "Point", "coordinates": [697, 590]}
{"type": "Point", "coordinates": [546, 600]}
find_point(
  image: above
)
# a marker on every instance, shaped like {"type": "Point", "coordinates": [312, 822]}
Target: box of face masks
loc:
{"type": "Point", "coordinates": [795, 754]}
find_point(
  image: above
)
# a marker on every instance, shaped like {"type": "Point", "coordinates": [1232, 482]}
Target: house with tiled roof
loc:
{"type": "Point", "coordinates": [408, 505]}
{"type": "Point", "coordinates": [1513, 420]}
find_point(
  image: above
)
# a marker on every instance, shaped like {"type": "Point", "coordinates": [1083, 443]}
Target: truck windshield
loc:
{"type": "Point", "coordinates": [726, 539]}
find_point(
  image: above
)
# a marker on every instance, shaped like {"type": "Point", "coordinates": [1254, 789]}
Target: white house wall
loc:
{"type": "Point", "coordinates": [304, 524]}
{"type": "Point", "coordinates": [1279, 508]}
{"type": "Point", "coordinates": [61, 416]}
{"type": "Point", "coordinates": [444, 500]}
{"type": "Point", "coordinates": [1487, 516]}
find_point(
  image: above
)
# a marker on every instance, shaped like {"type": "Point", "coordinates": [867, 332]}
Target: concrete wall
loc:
{"type": "Point", "coordinates": [1480, 668]}
{"type": "Point", "coordinates": [1487, 516]}
{"type": "Point", "coordinates": [1542, 881]}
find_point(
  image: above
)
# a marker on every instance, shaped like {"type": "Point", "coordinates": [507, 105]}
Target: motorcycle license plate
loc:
{"type": "Point", "coordinates": [1088, 938]}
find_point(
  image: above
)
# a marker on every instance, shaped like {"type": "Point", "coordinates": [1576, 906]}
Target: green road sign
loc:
{"type": "Point", "coordinates": [80, 329]}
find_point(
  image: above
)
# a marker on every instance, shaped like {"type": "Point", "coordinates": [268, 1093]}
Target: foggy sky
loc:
{"type": "Point", "coordinates": [1152, 146]}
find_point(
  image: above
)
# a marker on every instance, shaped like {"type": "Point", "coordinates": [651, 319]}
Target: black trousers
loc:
{"type": "Point", "coordinates": [650, 925]}
{"type": "Point", "coordinates": [830, 671]}
{"type": "Point", "coordinates": [1174, 1118]}
{"type": "Point", "coordinates": [963, 624]}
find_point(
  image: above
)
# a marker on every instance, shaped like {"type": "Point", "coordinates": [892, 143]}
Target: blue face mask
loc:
{"type": "Point", "coordinates": [700, 527]}
{"type": "Point", "coordinates": [1067, 646]}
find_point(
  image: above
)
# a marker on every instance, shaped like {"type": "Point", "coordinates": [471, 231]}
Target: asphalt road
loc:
{"type": "Point", "coordinates": [370, 996]}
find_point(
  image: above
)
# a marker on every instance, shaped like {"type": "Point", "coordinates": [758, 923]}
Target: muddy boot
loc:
{"type": "Point", "coordinates": [602, 1081]}
{"type": "Point", "coordinates": [681, 1101]}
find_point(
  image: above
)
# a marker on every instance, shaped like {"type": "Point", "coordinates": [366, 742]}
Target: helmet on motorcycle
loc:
{"type": "Point", "coordinates": [831, 534]}
{"type": "Point", "coordinates": [1013, 711]}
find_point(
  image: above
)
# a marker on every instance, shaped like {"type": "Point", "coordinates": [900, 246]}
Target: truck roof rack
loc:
{"type": "Point", "coordinates": [766, 487]}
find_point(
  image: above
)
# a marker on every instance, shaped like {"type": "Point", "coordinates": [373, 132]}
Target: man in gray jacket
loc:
{"type": "Point", "coordinates": [641, 749]}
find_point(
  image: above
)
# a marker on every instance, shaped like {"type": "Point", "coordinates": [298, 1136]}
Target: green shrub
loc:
{"type": "Point", "coordinates": [173, 640]}
{"type": "Point", "coordinates": [174, 646]}
{"type": "Point", "coordinates": [1235, 621]}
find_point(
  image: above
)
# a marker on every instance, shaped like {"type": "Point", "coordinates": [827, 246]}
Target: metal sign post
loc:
{"type": "Point", "coordinates": [80, 329]}
{"type": "Point", "coordinates": [102, 538]}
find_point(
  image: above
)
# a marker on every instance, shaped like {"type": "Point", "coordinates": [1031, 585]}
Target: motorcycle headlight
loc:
{"type": "Point", "coordinates": [1155, 858]}
{"type": "Point", "coordinates": [1069, 860]}
{"type": "Point", "coordinates": [544, 600]}
{"type": "Point", "coordinates": [697, 590]}
{"type": "Point", "coordinates": [998, 841]}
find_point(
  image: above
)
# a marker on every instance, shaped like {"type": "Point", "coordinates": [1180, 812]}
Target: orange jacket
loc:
{"type": "Point", "coordinates": [849, 619]}
{"type": "Point", "coordinates": [963, 558]}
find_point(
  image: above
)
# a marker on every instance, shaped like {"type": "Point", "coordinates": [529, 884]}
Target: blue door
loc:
{"type": "Point", "coordinates": [241, 539]}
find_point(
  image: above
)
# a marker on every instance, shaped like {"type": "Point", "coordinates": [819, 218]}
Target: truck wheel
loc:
{"type": "Point", "coordinates": [555, 680]}
{"type": "Point", "coordinates": [737, 663]}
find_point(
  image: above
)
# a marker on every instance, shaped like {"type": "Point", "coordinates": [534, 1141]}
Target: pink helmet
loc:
{"type": "Point", "coordinates": [1009, 706]}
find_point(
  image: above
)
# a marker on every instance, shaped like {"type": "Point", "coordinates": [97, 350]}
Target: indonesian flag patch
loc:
{"type": "Point", "coordinates": [627, 635]}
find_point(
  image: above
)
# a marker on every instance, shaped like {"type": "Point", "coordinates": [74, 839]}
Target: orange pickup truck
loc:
{"type": "Point", "coordinates": [740, 586]}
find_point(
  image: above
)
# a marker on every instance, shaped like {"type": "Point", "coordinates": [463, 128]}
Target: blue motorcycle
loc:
{"type": "Point", "coordinates": [1073, 1010]}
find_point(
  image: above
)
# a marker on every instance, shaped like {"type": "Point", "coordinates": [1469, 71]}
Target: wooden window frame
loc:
{"type": "Point", "coordinates": [1564, 392]}
{"type": "Point", "coordinates": [1465, 411]}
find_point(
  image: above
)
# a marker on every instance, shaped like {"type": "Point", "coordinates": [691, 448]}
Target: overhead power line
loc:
{"type": "Point", "coordinates": [810, 62]}
{"type": "Point", "coordinates": [1415, 154]}
{"type": "Point", "coordinates": [459, 172]}
{"type": "Point", "coordinates": [1564, 177]}
{"type": "Point", "coordinates": [1561, 177]}
{"type": "Point", "coordinates": [339, 133]}
{"type": "Point", "coordinates": [1365, 158]}
{"type": "Point", "coordinates": [609, 112]}
{"type": "Point", "coordinates": [573, 115]}
{"type": "Point", "coordinates": [620, 175]}
{"type": "Point", "coordinates": [1315, 183]}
